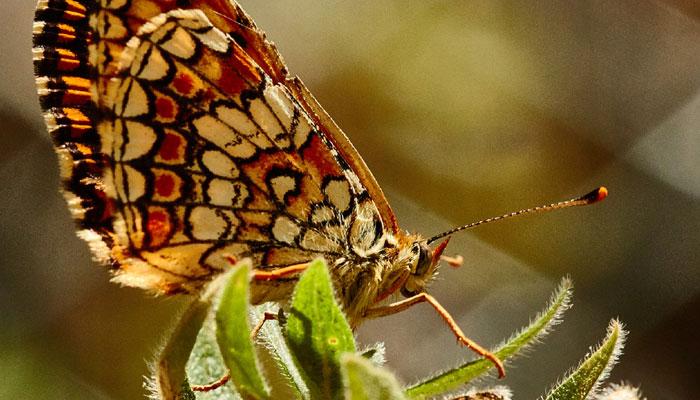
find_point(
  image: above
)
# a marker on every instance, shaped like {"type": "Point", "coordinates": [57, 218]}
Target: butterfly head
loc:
{"type": "Point", "coordinates": [423, 267]}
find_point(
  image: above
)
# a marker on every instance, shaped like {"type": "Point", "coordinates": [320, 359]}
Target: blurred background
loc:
{"type": "Point", "coordinates": [462, 110]}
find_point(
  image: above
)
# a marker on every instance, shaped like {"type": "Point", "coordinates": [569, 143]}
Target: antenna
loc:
{"type": "Point", "coordinates": [589, 198]}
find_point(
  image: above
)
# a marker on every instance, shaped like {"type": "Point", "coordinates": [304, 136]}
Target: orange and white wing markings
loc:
{"type": "Point", "coordinates": [184, 144]}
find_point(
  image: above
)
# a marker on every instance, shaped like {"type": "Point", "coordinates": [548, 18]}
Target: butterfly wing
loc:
{"type": "Point", "coordinates": [184, 145]}
{"type": "Point", "coordinates": [346, 149]}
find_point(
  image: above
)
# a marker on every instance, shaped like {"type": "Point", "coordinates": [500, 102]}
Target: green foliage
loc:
{"type": "Point", "coordinates": [366, 381]}
{"type": "Point", "coordinates": [206, 365]}
{"type": "Point", "coordinates": [465, 373]}
{"type": "Point", "coordinates": [169, 372]}
{"type": "Point", "coordinates": [585, 379]}
{"type": "Point", "coordinates": [237, 349]}
{"type": "Point", "coordinates": [276, 346]}
{"type": "Point", "coordinates": [310, 351]}
{"type": "Point", "coordinates": [317, 332]}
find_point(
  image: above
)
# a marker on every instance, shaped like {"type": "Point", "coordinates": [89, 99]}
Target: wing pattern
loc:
{"type": "Point", "coordinates": [184, 145]}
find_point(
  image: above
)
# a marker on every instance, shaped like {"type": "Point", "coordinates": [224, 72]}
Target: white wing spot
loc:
{"type": "Point", "coordinates": [280, 104]}
{"type": "Point", "coordinates": [136, 181]}
{"type": "Point", "coordinates": [244, 125]}
{"type": "Point", "coordinates": [268, 123]}
{"type": "Point", "coordinates": [338, 193]}
{"type": "Point", "coordinates": [219, 164]}
{"type": "Point", "coordinates": [285, 230]}
{"type": "Point", "coordinates": [221, 135]}
{"type": "Point", "coordinates": [226, 193]}
{"type": "Point", "coordinates": [141, 139]}
{"type": "Point", "coordinates": [236, 119]}
{"type": "Point", "coordinates": [152, 68]}
{"type": "Point", "coordinates": [302, 131]}
{"type": "Point", "coordinates": [131, 99]}
{"type": "Point", "coordinates": [281, 185]}
{"type": "Point", "coordinates": [180, 44]}
{"type": "Point", "coordinates": [209, 224]}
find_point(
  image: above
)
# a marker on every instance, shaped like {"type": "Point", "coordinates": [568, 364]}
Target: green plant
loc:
{"type": "Point", "coordinates": [311, 353]}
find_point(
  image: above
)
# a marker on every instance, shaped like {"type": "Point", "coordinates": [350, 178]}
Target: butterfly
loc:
{"type": "Point", "coordinates": [184, 144]}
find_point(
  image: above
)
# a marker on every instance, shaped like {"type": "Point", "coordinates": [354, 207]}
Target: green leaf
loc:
{"type": "Point", "coordinates": [236, 347]}
{"type": "Point", "coordinates": [275, 344]}
{"type": "Point", "coordinates": [540, 326]}
{"type": "Point", "coordinates": [317, 332]}
{"type": "Point", "coordinates": [206, 364]}
{"type": "Point", "coordinates": [583, 382]}
{"type": "Point", "coordinates": [366, 381]}
{"type": "Point", "coordinates": [168, 373]}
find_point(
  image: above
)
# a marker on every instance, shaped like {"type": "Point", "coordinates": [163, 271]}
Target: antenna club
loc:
{"type": "Point", "coordinates": [602, 193]}
{"type": "Point", "coordinates": [595, 196]}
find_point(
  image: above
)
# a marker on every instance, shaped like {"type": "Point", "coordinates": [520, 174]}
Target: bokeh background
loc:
{"type": "Point", "coordinates": [462, 110]}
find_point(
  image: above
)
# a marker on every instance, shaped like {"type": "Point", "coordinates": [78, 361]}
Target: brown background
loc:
{"type": "Point", "coordinates": [462, 110]}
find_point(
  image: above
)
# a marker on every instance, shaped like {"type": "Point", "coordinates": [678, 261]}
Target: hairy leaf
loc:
{"type": "Point", "coordinates": [168, 375]}
{"type": "Point", "coordinates": [233, 335]}
{"type": "Point", "coordinates": [540, 326]}
{"type": "Point", "coordinates": [366, 381]}
{"type": "Point", "coordinates": [584, 381]}
{"type": "Point", "coordinates": [317, 332]}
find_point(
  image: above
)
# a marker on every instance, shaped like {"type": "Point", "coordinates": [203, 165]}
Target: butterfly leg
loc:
{"type": "Point", "coordinates": [461, 338]}
{"type": "Point", "coordinates": [262, 275]}
{"type": "Point", "coordinates": [267, 316]}
{"type": "Point", "coordinates": [212, 386]}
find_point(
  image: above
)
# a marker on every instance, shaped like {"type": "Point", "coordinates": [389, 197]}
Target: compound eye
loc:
{"type": "Point", "coordinates": [424, 260]}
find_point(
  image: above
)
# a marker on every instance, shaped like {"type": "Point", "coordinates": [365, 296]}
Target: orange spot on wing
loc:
{"type": "Point", "coordinates": [159, 226]}
{"type": "Point", "coordinates": [165, 184]}
{"type": "Point", "coordinates": [79, 123]}
{"type": "Point", "coordinates": [67, 60]}
{"type": "Point", "coordinates": [85, 150]}
{"type": "Point", "coordinates": [78, 90]}
{"type": "Point", "coordinates": [231, 83]}
{"type": "Point", "coordinates": [245, 65]}
{"type": "Point", "coordinates": [66, 33]}
{"type": "Point", "coordinates": [172, 147]}
{"type": "Point", "coordinates": [238, 73]}
{"type": "Point", "coordinates": [76, 115]}
{"type": "Point", "coordinates": [78, 131]}
{"type": "Point", "coordinates": [77, 83]}
{"type": "Point", "coordinates": [165, 108]}
{"type": "Point", "coordinates": [74, 6]}
{"type": "Point", "coordinates": [76, 97]}
{"type": "Point", "coordinates": [208, 95]}
{"type": "Point", "coordinates": [183, 83]}
{"type": "Point", "coordinates": [318, 155]}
